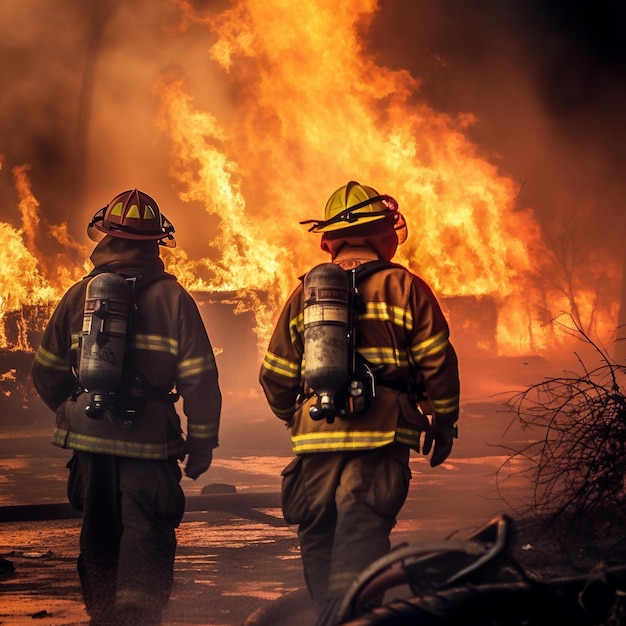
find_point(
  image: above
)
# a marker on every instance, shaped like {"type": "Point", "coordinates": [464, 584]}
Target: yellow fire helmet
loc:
{"type": "Point", "coordinates": [132, 214]}
{"type": "Point", "coordinates": [355, 204]}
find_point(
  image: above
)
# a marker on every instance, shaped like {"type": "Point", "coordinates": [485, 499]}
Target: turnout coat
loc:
{"type": "Point", "coordinates": [169, 351]}
{"type": "Point", "coordinates": [401, 331]}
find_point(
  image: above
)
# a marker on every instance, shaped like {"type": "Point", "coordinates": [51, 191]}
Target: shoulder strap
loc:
{"type": "Point", "coordinates": [357, 274]}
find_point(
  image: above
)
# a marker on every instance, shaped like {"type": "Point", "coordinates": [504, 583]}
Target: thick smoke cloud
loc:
{"type": "Point", "coordinates": [545, 80]}
{"type": "Point", "coordinates": [79, 106]}
{"type": "Point", "coordinates": [41, 73]}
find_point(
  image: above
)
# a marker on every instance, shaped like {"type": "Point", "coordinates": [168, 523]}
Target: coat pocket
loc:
{"type": "Point", "coordinates": [294, 501]}
{"type": "Point", "coordinates": [75, 487]}
{"type": "Point", "coordinates": [389, 490]}
{"type": "Point", "coordinates": [169, 502]}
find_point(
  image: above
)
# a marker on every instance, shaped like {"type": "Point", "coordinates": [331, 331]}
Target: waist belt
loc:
{"type": "Point", "coordinates": [141, 389]}
{"type": "Point", "coordinates": [403, 385]}
{"type": "Point", "coordinates": [137, 393]}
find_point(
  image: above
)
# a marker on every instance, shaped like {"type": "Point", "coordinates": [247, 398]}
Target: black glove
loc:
{"type": "Point", "coordinates": [442, 434]}
{"type": "Point", "coordinates": [198, 459]}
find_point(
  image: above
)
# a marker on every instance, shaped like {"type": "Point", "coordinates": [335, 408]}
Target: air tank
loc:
{"type": "Point", "coordinates": [103, 339]}
{"type": "Point", "coordinates": [326, 336]}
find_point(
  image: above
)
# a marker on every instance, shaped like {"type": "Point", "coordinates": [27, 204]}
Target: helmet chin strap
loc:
{"type": "Point", "coordinates": [98, 217]}
{"type": "Point", "coordinates": [349, 216]}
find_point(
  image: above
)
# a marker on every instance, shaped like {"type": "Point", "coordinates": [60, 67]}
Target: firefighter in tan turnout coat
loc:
{"type": "Point", "coordinates": [350, 476]}
{"type": "Point", "coordinates": [124, 473]}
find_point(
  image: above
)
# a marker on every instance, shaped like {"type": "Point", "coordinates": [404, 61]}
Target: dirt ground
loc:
{"type": "Point", "coordinates": [229, 569]}
{"type": "Point", "coordinates": [231, 566]}
{"type": "Point", "coordinates": [563, 549]}
{"type": "Point", "coordinates": [226, 568]}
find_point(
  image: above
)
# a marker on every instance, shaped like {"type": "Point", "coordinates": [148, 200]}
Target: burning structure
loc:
{"type": "Point", "coordinates": [241, 117]}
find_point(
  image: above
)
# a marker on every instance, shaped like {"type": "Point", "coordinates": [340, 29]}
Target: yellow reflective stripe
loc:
{"type": "Point", "coordinates": [280, 366]}
{"type": "Point", "coordinates": [203, 431]}
{"type": "Point", "coordinates": [379, 311]}
{"type": "Point", "coordinates": [51, 361]}
{"type": "Point", "coordinates": [74, 341]}
{"type": "Point", "coordinates": [296, 327]}
{"type": "Point", "coordinates": [283, 413]}
{"type": "Point", "coordinates": [340, 581]}
{"type": "Point", "coordinates": [408, 436]}
{"type": "Point", "coordinates": [89, 443]}
{"type": "Point", "coordinates": [384, 356]}
{"type": "Point", "coordinates": [435, 344]}
{"type": "Point", "coordinates": [157, 343]}
{"type": "Point", "coordinates": [197, 365]}
{"type": "Point", "coordinates": [446, 405]}
{"type": "Point", "coordinates": [341, 440]}
{"type": "Point", "coordinates": [137, 597]}
{"type": "Point", "coordinates": [384, 312]}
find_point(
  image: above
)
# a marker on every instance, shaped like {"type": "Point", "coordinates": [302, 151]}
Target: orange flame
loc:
{"type": "Point", "coordinates": [304, 109]}
{"type": "Point", "coordinates": [32, 281]}
{"type": "Point", "coordinates": [313, 111]}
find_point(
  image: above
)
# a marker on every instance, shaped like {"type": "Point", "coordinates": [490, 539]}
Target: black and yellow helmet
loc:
{"type": "Point", "coordinates": [355, 204]}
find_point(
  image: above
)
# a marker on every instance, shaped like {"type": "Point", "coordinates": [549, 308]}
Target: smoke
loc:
{"type": "Point", "coordinates": [546, 81]}
{"type": "Point", "coordinates": [78, 102]}
{"type": "Point", "coordinates": [41, 74]}
{"type": "Point", "coordinates": [543, 82]}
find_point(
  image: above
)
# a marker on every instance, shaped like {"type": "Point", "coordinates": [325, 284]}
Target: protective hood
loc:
{"type": "Point", "coordinates": [126, 256]}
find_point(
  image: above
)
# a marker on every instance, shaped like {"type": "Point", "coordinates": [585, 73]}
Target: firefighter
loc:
{"type": "Point", "coordinates": [350, 475]}
{"type": "Point", "coordinates": [124, 473]}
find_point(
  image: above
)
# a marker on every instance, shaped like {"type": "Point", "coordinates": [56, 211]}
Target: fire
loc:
{"type": "Point", "coordinates": [312, 110]}
{"type": "Point", "coordinates": [8, 376]}
{"type": "Point", "coordinates": [308, 109]}
{"type": "Point", "coordinates": [30, 281]}
{"type": "Point", "coordinates": [23, 284]}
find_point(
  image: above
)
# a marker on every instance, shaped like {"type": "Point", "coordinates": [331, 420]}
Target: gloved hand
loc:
{"type": "Point", "coordinates": [442, 434]}
{"type": "Point", "coordinates": [198, 459]}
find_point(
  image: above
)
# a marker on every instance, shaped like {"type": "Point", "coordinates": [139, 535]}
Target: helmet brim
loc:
{"type": "Point", "coordinates": [400, 225]}
{"type": "Point", "coordinates": [96, 231]}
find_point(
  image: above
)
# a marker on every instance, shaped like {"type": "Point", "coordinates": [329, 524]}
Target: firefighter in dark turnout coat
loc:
{"type": "Point", "coordinates": [350, 477]}
{"type": "Point", "coordinates": [124, 474]}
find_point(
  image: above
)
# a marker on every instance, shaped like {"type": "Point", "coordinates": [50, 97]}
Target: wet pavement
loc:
{"type": "Point", "coordinates": [232, 563]}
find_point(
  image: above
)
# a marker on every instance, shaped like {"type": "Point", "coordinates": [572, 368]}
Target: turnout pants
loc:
{"type": "Point", "coordinates": [131, 508]}
{"type": "Point", "coordinates": [345, 505]}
